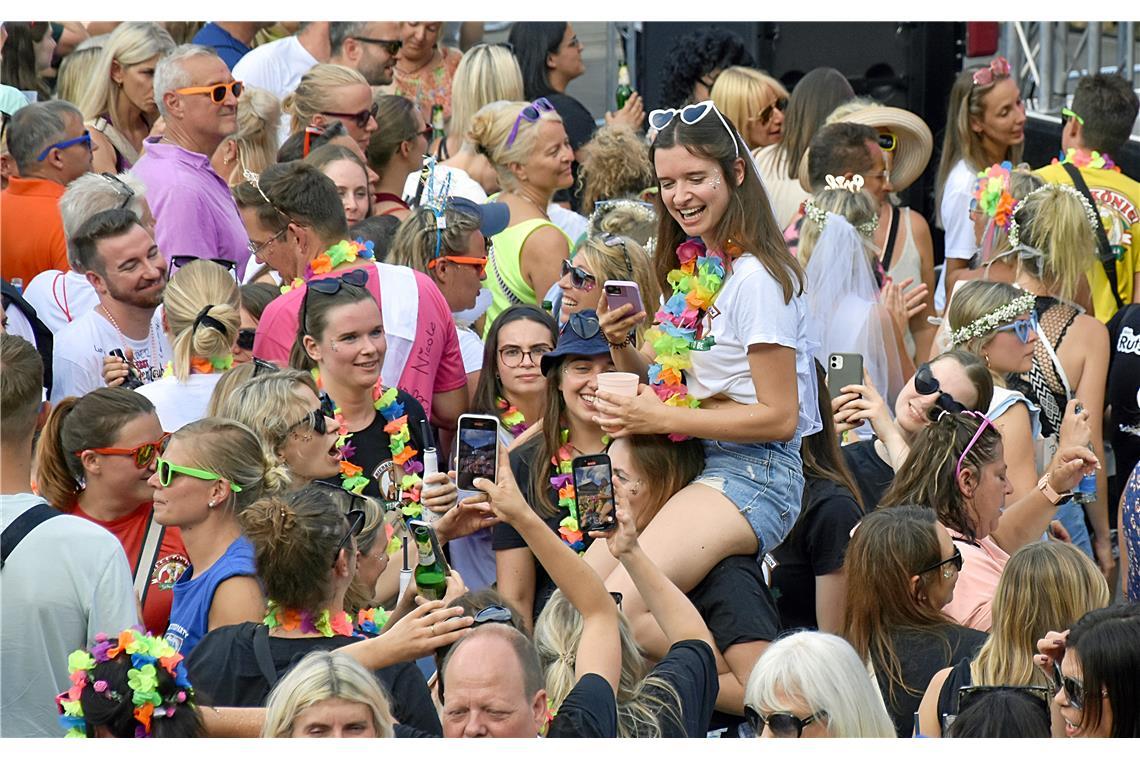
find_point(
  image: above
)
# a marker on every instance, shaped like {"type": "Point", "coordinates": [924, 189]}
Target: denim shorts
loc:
{"type": "Point", "coordinates": [764, 480]}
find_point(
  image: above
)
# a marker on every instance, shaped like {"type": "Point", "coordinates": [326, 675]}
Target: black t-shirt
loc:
{"type": "Point", "coordinates": [815, 546]}
{"type": "Point", "coordinates": [958, 677]}
{"type": "Point", "coordinates": [503, 536]}
{"type": "Point", "coordinates": [690, 668]}
{"type": "Point", "coordinates": [589, 711]}
{"type": "Point", "coordinates": [736, 603]}
{"type": "Point", "coordinates": [372, 444]}
{"type": "Point", "coordinates": [872, 474]}
{"type": "Point", "coordinates": [1123, 394]}
{"type": "Point", "coordinates": [225, 671]}
{"type": "Point", "coordinates": [921, 654]}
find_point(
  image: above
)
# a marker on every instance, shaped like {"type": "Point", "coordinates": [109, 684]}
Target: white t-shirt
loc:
{"type": "Point", "coordinates": [56, 294]}
{"type": "Point", "coordinates": [77, 359]}
{"type": "Point", "coordinates": [471, 346]}
{"type": "Point", "coordinates": [752, 310]}
{"type": "Point", "coordinates": [67, 581]}
{"type": "Point", "coordinates": [277, 67]}
{"type": "Point", "coordinates": [462, 186]}
{"type": "Point", "coordinates": [571, 222]}
{"type": "Point", "coordinates": [954, 213]}
{"type": "Point", "coordinates": [177, 403]}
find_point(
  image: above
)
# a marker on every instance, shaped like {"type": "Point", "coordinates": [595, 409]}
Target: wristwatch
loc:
{"type": "Point", "coordinates": [1044, 487]}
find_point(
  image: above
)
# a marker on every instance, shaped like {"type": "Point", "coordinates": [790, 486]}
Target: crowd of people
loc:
{"type": "Point", "coordinates": [255, 275]}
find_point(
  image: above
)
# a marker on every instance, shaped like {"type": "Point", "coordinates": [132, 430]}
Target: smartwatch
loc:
{"type": "Point", "coordinates": [1044, 487]}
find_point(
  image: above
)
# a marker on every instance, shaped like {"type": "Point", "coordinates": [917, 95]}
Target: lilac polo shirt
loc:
{"type": "Point", "coordinates": [194, 212]}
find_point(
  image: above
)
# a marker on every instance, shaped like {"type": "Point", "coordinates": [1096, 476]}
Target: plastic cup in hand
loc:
{"type": "Point", "coordinates": [618, 383]}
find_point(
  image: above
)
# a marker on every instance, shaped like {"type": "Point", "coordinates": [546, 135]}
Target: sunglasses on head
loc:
{"type": "Point", "coordinates": [531, 114]}
{"type": "Point", "coordinates": [167, 469]}
{"type": "Point", "coordinates": [331, 286]}
{"type": "Point", "coordinates": [245, 338]}
{"type": "Point", "coordinates": [981, 428]}
{"type": "Point", "coordinates": [783, 725]}
{"type": "Point", "coordinates": [1023, 328]}
{"type": "Point", "coordinates": [182, 259]}
{"type": "Point", "coordinates": [617, 241]}
{"type": "Point", "coordinates": [998, 68]}
{"type": "Point", "coordinates": [360, 117]}
{"type": "Point", "coordinates": [661, 118]}
{"type": "Point", "coordinates": [967, 695]}
{"type": "Point", "coordinates": [925, 383]}
{"type": "Point", "coordinates": [217, 92]}
{"type": "Point", "coordinates": [492, 613]}
{"type": "Point", "coordinates": [122, 188]}
{"type": "Point", "coordinates": [585, 327]}
{"type": "Point", "coordinates": [391, 47]}
{"type": "Point", "coordinates": [779, 104]}
{"type": "Point", "coordinates": [579, 278]}
{"type": "Point", "coordinates": [262, 367]}
{"type": "Point", "coordinates": [355, 519]}
{"type": "Point", "coordinates": [84, 138]}
{"type": "Point", "coordinates": [954, 559]}
{"type": "Point", "coordinates": [144, 454]}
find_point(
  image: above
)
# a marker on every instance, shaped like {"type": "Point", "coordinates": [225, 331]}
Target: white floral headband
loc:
{"type": "Point", "coordinates": [987, 323]}
{"type": "Point", "coordinates": [819, 216]}
{"type": "Point", "coordinates": [1014, 233]}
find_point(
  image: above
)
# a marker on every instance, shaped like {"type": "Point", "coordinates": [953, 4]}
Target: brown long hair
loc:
{"type": "Point", "coordinates": [747, 221]}
{"type": "Point", "coordinates": [820, 451]}
{"type": "Point", "coordinates": [490, 386]}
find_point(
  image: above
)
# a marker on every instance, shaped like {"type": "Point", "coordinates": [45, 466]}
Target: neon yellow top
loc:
{"type": "Point", "coordinates": [504, 270]}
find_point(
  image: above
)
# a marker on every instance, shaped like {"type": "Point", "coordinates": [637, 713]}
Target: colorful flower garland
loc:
{"type": "Point", "coordinates": [562, 481]}
{"type": "Point", "coordinates": [146, 653]}
{"type": "Point", "coordinates": [1083, 159]}
{"type": "Point", "coordinates": [991, 192]}
{"type": "Point", "coordinates": [344, 252]}
{"type": "Point", "coordinates": [677, 330]}
{"type": "Point", "coordinates": [511, 417]}
{"type": "Point", "coordinates": [371, 621]}
{"type": "Point", "coordinates": [202, 366]}
{"type": "Point", "coordinates": [326, 624]}
{"type": "Point", "coordinates": [352, 475]}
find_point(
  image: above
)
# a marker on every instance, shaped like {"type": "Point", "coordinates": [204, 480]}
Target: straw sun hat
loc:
{"type": "Point", "coordinates": [915, 143]}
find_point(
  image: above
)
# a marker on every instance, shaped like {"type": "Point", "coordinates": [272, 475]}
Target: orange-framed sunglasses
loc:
{"type": "Point", "coordinates": [217, 92]}
{"type": "Point", "coordinates": [472, 261]}
{"type": "Point", "coordinates": [144, 454]}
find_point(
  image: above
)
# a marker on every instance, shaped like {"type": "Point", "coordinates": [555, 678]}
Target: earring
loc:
{"type": "Point", "coordinates": [987, 358]}
{"type": "Point", "coordinates": [213, 504]}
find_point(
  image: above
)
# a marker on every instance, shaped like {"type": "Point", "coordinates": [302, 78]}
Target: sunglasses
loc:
{"type": "Point", "coordinates": [783, 725]}
{"type": "Point", "coordinates": [494, 613]}
{"type": "Point", "coordinates": [360, 117]}
{"type": "Point", "coordinates": [84, 138]}
{"type": "Point", "coordinates": [217, 92]}
{"type": "Point", "coordinates": [328, 132]}
{"type": "Point", "coordinates": [167, 469]}
{"type": "Point", "coordinates": [779, 104]}
{"type": "Point", "coordinates": [316, 421]}
{"type": "Point", "coordinates": [122, 188]}
{"type": "Point", "coordinates": [391, 47]}
{"type": "Point", "coordinates": [262, 367]}
{"type": "Point", "coordinates": [616, 241]}
{"type": "Point", "coordinates": [331, 286]}
{"type": "Point", "coordinates": [245, 338]}
{"type": "Point", "coordinates": [661, 118]}
{"type": "Point", "coordinates": [143, 454]}
{"type": "Point", "coordinates": [968, 694]}
{"type": "Point", "coordinates": [1074, 689]}
{"type": "Point", "coordinates": [888, 141]}
{"type": "Point", "coordinates": [355, 524]}
{"type": "Point", "coordinates": [1023, 328]}
{"type": "Point", "coordinates": [583, 326]}
{"type": "Point", "coordinates": [471, 261]}
{"type": "Point", "coordinates": [182, 259]}
{"type": "Point", "coordinates": [955, 559]}
{"type": "Point", "coordinates": [998, 68]}
{"type": "Point", "coordinates": [925, 383]}
{"type": "Point", "coordinates": [962, 458]}
{"type": "Point", "coordinates": [579, 278]}
{"type": "Point", "coordinates": [531, 114]}
{"type": "Point", "coordinates": [425, 133]}
{"type": "Point", "coordinates": [1068, 113]}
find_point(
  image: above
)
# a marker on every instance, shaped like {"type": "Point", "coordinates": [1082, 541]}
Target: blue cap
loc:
{"type": "Point", "coordinates": [580, 336]}
{"type": "Point", "coordinates": [493, 217]}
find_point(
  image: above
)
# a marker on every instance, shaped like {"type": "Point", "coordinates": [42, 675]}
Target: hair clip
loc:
{"type": "Point", "coordinates": [854, 185]}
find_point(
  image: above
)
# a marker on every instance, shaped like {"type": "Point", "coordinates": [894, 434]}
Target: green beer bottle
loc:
{"type": "Point", "coordinates": [436, 122]}
{"type": "Point", "coordinates": [431, 573]}
{"type": "Point", "coordinates": [623, 88]}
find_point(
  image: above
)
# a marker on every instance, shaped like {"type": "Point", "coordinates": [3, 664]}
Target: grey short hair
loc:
{"type": "Point", "coordinates": [36, 126]}
{"type": "Point", "coordinates": [88, 195]}
{"type": "Point", "coordinates": [170, 74]}
{"type": "Point", "coordinates": [339, 31]}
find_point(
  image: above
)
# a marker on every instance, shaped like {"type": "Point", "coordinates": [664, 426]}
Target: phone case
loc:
{"type": "Point", "coordinates": [842, 370]}
{"type": "Point", "coordinates": [477, 446]}
{"type": "Point", "coordinates": [621, 292]}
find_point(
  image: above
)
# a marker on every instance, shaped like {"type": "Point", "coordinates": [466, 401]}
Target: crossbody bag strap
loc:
{"type": "Point", "coordinates": [264, 656]}
{"type": "Point", "coordinates": [1107, 259]}
{"type": "Point", "coordinates": [892, 234]}
{"type": "Point", "coordinates": [148, 555]}
{"type": "Point", "coordinates": [19, 528]}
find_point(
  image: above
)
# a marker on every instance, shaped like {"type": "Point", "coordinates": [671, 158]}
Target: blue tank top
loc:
{"type": "Point", "coordinates": [194, 594]}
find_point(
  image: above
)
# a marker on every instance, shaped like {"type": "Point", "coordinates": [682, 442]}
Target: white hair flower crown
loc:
{"type": "Point", "coordinates": [987, 323]}
{"type": "Point", "coordinates": [853, 185]}
{"type": "Point", "coordinates": [1014, 233]}
{"type": "Point", "coordinates": [819, 216]}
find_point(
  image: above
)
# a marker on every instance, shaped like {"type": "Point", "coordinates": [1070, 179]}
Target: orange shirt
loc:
{"type": "Point", "coordinates": [31, 229]}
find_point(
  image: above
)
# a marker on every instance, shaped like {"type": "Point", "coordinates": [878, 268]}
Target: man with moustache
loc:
{"type": "Point", "coordinates": [370, 47]}
{"type": "Point", "coordinates": [124, 266]}
{"type": "Point", "coordinates": [194, 213]}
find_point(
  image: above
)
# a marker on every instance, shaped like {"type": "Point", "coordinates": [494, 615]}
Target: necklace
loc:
{"type": "Point", "coordinates": [418, 69]}
{"type": "Point", "coordinates": [344, 252]}
{"type": "Point", "coordinates": [679, 329]}
{"type": "Point", "coordinates": [289, 619]}
{"type": "Point", "coordinates": [154, 357]}
{"type": "Point", "coordinates": [511, 417]}
{"type": "Point", "coordinates": [1084, 159]}
{"type": "Point", "coordinates": [523, 196]}
{"type": "Point", "coordinates": [562, 481]}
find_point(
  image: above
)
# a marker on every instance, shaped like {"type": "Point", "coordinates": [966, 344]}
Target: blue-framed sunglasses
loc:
{"type": "Point", "coordinates": [530, 113]}
{"type": "Point", "coordinates": [1023, 328]}
{"type": "Point", "coordinates": [84, 138]}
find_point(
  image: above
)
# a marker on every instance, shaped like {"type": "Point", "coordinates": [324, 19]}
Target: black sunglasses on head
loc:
{"type": "Point", "coordinates": [355, 524]}
{"type": "Point", "coordinates": [925, 383]}
{"type": "Point", "coordinates": [330, 286]}
{"type": "Point", "coordinates": [245, 338]}
{"type": "Point", "coordinates": [182, 259]}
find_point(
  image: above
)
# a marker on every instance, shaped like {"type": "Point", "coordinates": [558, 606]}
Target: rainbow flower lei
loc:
{"type": "Point", "coordinates": [352, 475]}
{"type": "Point", "coordinates": [562, 481]}
{"type": "Point", "coordinates": [991, 192]}
{"type": "Point", "coordinates": [511, 417]}
{"type": "Point", "coordinates": [344, 252]}
{"type": "Point", "coordinates": [676, 332]}
{"type": "Point", "coordinates": [372, 620]}
{"type": "Point", "coordinates": [1083, 159]}
{"type": "Point", "coordinates": [147, 654]}
{"type": "Point", "coordinates": [326, 624]}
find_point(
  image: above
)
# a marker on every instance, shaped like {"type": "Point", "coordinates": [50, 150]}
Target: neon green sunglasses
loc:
{"type": "Point", "coordinates": [166, 472]}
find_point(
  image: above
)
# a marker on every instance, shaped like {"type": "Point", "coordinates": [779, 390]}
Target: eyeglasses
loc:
{"type": "Point", "coordinates": [955, 559]}
{"type": "Point", "coordinates": [616, 241]}
{"type": "Point", "coordinates": [925, 383]}
{"type": "Point", "coordinates": [779, 104]}
{"type": "Point", "coordinates": [1068, 113]}
{"type": "Point", "coordinates": [583, 326]}
{"type": "Point", "coordinates": [122, 188]}
{"type": "Point", "coordinates": [981, 428]}
{"type": "Point", "coordinates": [391, 47]}
{"type": "Point", "coordinates": [579, 278]}
{"type": "Point", "coordinates": [355, 524]}
{"type": "Point", "coordinates": [998, 68]}
{"type": "Point", "coordinates": [182, 259]}
{"type": "Point", "coordinates": [574, 42]}
{"type": "Point", "coordinates": [245, 338]}
{"type": "Point", "coordinates": [217, 92]}
{"type": "Point", "coordinates": [330, 286]}
{"type": "Point", "coordinates": [256, 248]}
{"type": "Point", "coordinates": [661, 117]}
{"type": "Point", "coordinates": [888, 141]}
{"type": "Point", "coordinates": [143, 454]}
{"type": "Point", "coordinates": [167, 469]}
{"type": "Point", "coordinates": [512, 356]}
{"type": "Point", "coordinates": [316, 421]}
{"type": "Point", "coordinates": [84, 138]}
{"type": "Point", "coordinates": [494, 613]}
{"type": "Point", "coordinates": [530, 113]}
{"type": "Point", "coordinates": [1023, 328]}
{"type": "Point", "coordinates": [360, 117]}
{"type": "Point", "coordinates": [783, 725]}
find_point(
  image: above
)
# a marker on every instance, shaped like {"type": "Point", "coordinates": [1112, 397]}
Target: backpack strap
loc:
{"type": "Point", "coordinates": [19, 529]}
{"type": "Point", "coordinates": [1107, 259]}
{"type": "Point", "coordinates": [264, 656]}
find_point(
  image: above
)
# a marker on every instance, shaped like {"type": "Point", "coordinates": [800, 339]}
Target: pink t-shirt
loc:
{"type": "Point", "coordinates": [434, 363]}
{"type": "Point", "coordinates": [982, 566]}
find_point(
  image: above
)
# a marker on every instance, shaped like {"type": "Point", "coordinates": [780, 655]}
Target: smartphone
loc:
{"type": "Point", "coordinates": [478, 442]}
{"type": "Point", "coordinates": [436, 548]}
{"type": "Point", "coordinates": [133, 379]}
{"type": "Point", "coordinates": [843, 369]}
{"type": "Point", "coordinates": [594, 491]}
{"type": "Point", "coordinates": [620, 292]}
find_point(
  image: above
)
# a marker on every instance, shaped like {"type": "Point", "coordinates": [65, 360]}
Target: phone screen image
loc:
{"type": "Point", "coordinates": [594, 491]}
{"type": "Point", "coordinates": [477, 451]}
